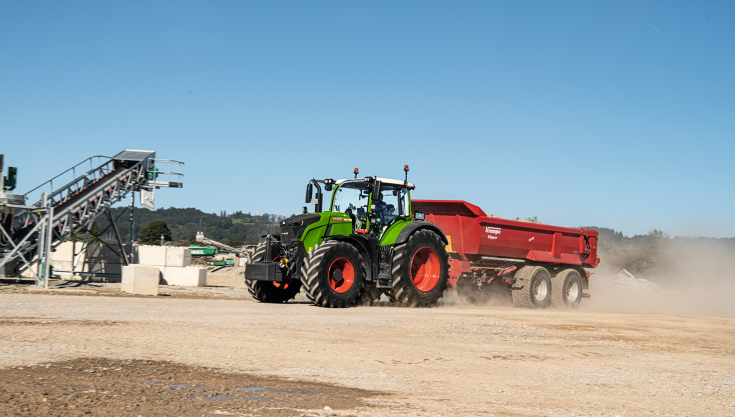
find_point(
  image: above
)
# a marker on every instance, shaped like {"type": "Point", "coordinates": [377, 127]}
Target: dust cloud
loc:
{"type": "Point", "coordinates": [698, 278]}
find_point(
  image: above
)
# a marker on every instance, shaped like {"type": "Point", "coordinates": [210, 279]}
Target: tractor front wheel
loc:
{"type": "Point", "coordinates": [271, 291]}
{"type": "Point", "coordinates": [333, 274]}
{"type": "Point", "coordinates": [420, 270]}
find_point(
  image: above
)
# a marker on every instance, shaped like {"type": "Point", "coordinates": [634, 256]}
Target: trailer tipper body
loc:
{"type": "Point", "coordinates": [540, 264]}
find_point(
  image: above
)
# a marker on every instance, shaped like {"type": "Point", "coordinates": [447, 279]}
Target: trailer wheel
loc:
{"type": "Point", "coordinates": [532, 288]}
{"type": "Point", "coordinates": [420, 270]}
{"type": "Point", "coordinates": [271, 291]}
{"type": "Point", "coordinates": [566, 289]}
{"type": "Point", "coordinates": [333, 274]}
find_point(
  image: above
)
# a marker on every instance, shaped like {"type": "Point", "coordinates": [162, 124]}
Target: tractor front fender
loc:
{"type": "Point", "coordinates": [413, 227]}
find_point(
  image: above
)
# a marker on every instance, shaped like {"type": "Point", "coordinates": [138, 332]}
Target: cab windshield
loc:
{"type": "Point", "coordinates": [353, 196]}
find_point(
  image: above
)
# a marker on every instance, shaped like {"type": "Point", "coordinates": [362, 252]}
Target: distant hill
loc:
{"type": "Point", "coordinates": [184, 223]}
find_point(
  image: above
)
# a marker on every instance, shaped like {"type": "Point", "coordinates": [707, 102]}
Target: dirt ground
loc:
{"type": "Point", "coordinates": [81, 349]}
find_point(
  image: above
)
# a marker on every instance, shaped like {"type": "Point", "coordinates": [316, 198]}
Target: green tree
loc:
{"type": "Point", "coordinates": [151, 234]}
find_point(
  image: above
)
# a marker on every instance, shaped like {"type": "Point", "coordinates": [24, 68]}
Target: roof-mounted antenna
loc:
{"type": "Point", "coordinates": [357, 171]}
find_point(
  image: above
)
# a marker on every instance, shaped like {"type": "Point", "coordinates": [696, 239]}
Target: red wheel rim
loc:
{"type": "Point", "coordinates": [341, 275]}
{"type": "Point", "coordinates": [425, 269]}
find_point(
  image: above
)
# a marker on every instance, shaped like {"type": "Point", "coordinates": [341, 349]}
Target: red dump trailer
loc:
{"type": "Point", "coordinates": [536, 265]}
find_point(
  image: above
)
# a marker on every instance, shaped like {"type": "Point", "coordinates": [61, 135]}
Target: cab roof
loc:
{"type": "Point", "coordinates": [383, 180]}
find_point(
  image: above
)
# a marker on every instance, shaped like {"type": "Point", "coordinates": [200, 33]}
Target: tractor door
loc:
{"type": "Point", "coordinates": [393, 204]}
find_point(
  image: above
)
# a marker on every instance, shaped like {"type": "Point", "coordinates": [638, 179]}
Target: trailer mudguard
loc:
{"type": "Point", "coordinates": [416, 226]}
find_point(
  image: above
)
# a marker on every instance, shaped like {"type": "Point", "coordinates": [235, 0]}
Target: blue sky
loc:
{"type": "Point", "coordinates": [618, 114]}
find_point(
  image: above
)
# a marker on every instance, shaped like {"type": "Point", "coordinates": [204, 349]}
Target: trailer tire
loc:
{"type": "Point", "coordinates": [270, 291]}
{"type": "Point", "coordinates": [420, 270]}
{"type": "Point", "coordinates": [333, 274]}
{"type": "Point", "coordinates": [566, 289]}
{"type": "Point", "coordinates": [532, 287]}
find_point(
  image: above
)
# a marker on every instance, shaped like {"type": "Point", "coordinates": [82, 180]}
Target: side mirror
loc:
{"type": "Point", "coordinates": [309, 192]}
{"type": "Point", "coordinates": [376, 190]}
{"type": "Point", "coordinates": [419, 215]}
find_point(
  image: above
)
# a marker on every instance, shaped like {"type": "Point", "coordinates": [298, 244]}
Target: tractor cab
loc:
{"type": "Point", "coordinates": [372, 209]}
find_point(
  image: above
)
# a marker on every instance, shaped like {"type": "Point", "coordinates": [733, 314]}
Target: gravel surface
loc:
{"type": "Point", "coordinates": [443, 361]}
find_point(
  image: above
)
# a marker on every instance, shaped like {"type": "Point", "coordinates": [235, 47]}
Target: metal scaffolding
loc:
{"type": "Point", "coordinates": [29, 233]}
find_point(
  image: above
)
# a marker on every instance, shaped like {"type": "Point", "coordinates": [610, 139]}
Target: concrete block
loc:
{"type": "Point", "coordinates": [178, 257]}
{"type": "Point", "coordinates": [140, 279]}
{"type": "Point", "coordinates": [241, 262]}
{"type": "Point", "coordinates": [61, 265]}
{"type": "Point", "coordinates": [151, 255]}
{"type": "Point", "coordinates": [190, 276]}
{"type": "Point", "coordinates": [64, 252]}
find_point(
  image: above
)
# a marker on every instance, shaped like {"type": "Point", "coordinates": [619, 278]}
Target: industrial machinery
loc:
{"type": "Point", "coordinates": [365, 244]}
{"type": "Point", "coordinates": [207, 253]}
{"type": "Point", "coordinates": [374, 240]}
{"type": "Point", "coordinates": [70, 202]}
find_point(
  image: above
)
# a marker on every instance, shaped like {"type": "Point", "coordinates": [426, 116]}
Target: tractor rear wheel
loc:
{"type": "Point", "coordinates": [333, 274]}
{"type": "Point", "coordinates": [420, 270]}
{"type": "Point", "coordinates": [532, 288]}
{"type": "Point", "coordinates": [271, 291]}
{"type": "Point", "coordinates": [566, 289]}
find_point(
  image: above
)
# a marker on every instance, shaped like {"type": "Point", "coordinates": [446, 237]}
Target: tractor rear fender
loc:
{"type": "Point", "coordinates": [414, 227]}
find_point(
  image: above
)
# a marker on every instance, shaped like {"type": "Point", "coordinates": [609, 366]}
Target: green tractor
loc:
{"type": "Point", "coordinates": [367, 243]}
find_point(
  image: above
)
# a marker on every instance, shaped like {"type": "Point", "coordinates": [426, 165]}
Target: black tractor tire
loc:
{"type": "Point", "coordinates": [532, 288]}
{"type": "Point", "coordinates": [420, 270]}
{"type": "Point", "coordinates": [270, 291]}
{"type": "Point", "coordinates": [566, 289]}
{"type": "Point", "coordinates": [333, 274]}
